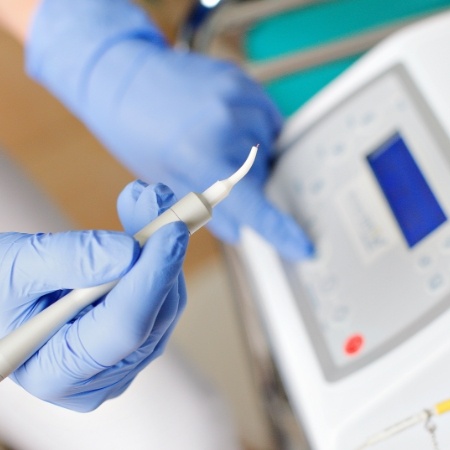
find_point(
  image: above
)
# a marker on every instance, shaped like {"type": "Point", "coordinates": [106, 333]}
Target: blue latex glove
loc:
{"type": "Point", "coordinates": [181, 118]}
{"type": "Point", "coordinates": [98, 354]}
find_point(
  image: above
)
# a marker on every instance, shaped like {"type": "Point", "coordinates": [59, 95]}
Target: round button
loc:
{"type": "Point", "coordinates": [424, 262]}
{"type": "Point", "coordinates": [340, 314]}
{"type": "Point", "coordinates": [317, 187]}
{"type": "Point", "coordinates": [354, 344]}
{"type": "Point", "coordinates": [436, 283]}
{"type": "Point", "coordinates": [327, 284]}
{"type": "Point", "coordinates": [338, 149]}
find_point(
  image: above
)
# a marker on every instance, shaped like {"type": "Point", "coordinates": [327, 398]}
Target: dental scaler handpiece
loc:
{"type": "Point", "coordinates": [195, 210]}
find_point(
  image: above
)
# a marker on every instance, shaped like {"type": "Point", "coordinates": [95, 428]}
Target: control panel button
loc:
{"type": "Point", "coordinates": [327, 284]}
{"type": "Point", "coordinates": [354, 344]}
{"type": "Point", "coordinates": [340, 315]}
{"type": "Point", "coordinates": [424, 262]}
{"type": "Point", "coordinates": [436, 283]}
{"type": "Point", "coordinates": [317, 187]}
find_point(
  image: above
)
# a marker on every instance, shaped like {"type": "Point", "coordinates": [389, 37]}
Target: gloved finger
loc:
{"type": "Point", "coordinates": [224, 226]}
{"type": "Point", "coordinates": [71, 352]}
{"type": "Point", "coordinates": [167, 320]}
{"type": "Point", "coordinates": [130, 311]}
{"type": "Point", "coordinates": [121, 375]}
{"type": "Point", "coordinates": [251, 208]}
{"type": "Point", "coordinates": [163, 320]}
{"type": "Point", "coordinates": [155, 344]}
{"type": "Point", "coordinates": [256, 117]}
{"type": "Point", "coordinates": [112, 381]}
{"type": "Point", "coordinates": [74, 259]}
{"type": "Point", "coordinates": [140, 203]}
{"type": "Point", "coordinates": [237, 88]}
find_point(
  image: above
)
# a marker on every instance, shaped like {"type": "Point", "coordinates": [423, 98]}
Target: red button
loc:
{"type": "Point", "coordinates": [354, 344]}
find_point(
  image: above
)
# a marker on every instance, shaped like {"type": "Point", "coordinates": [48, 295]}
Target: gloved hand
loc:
{"type": "Point", "coordinates": [181, 118]}
{"type": "Point", "coordinates": [98, 354]}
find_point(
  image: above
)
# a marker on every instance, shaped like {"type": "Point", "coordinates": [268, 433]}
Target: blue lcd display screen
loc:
{"type": "Point", "coordinates": [412, 201]}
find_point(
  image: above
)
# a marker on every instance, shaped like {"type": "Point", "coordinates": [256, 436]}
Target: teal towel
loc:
{"type": "Point", "coordinates": [318, 24]}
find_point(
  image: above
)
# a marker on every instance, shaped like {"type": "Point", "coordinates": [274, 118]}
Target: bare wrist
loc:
{"type": "Point", "coordinates": [16, 16]}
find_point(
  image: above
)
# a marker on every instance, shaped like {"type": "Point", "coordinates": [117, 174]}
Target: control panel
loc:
{"type": "Point", "coordinates": [370, 183]}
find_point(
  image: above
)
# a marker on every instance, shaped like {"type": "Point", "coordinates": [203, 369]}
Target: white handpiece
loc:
{"type": "Point", "coordinates": [195, 210]}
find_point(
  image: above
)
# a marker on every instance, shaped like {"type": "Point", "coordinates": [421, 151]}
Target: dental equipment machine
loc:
{"type": "Point", "coordinates": [194, 209]}
{"type": "Point", "coordinates": [359, 337]}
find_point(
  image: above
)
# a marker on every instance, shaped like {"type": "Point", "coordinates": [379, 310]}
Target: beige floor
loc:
{"type": "Point", "coordinates": [84, 180]}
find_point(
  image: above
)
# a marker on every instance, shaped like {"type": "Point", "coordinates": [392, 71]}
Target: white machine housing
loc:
{"type": "Point", "coordinates": [361, 334]}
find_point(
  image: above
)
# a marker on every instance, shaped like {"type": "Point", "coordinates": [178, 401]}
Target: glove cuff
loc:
{"type": "Point", "coordinates": [68, 37]}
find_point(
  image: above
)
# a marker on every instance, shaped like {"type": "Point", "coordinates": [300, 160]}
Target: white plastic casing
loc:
{"type": "Point", "coordinates": [341, 415]}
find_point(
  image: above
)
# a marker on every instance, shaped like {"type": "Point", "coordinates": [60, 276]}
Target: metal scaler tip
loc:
{"type": "Point", "coordinates": [220, 190]}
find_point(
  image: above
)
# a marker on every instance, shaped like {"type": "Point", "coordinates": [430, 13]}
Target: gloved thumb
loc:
{"type": "Point", "coordinates": [73, 259]}
{"type": "Point", "coordinates": [139, 203]}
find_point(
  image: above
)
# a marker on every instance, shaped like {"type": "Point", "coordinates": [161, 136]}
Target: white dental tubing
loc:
{"type": "Point", "coordinates": [195, 210]}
